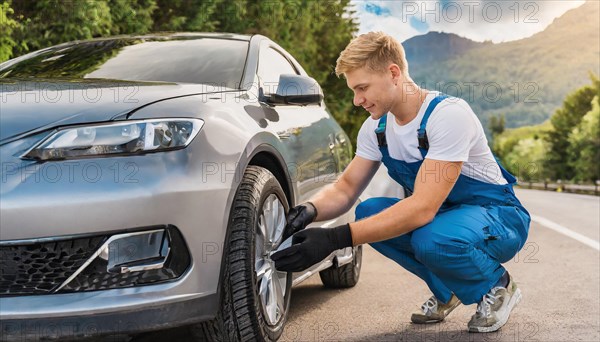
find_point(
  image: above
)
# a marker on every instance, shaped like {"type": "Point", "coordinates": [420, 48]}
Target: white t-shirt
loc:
{"type": "Point", "coordinates": [454, 133]}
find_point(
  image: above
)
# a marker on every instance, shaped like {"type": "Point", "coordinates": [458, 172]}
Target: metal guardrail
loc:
{"type": "Point", "coordinates": [591, 189]}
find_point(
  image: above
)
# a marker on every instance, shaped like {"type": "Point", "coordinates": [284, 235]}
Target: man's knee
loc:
{"type": "Point", "coordinates": [432, 249]}
{"type": "Point", "coordinates": [423, 246]}
{"type": "Point", "coordinates": [373, 206]}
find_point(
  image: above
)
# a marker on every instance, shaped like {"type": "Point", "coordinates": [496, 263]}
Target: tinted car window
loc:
{"type": "Point", "coordinates": [271, 64]}
{"type": "Point", "coordinates": [200, 60]}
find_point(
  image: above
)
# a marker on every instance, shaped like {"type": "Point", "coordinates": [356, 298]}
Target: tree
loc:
{"type": "Point", "coordinates": [186, 15]}
{"type": "Point", "coordinates": [496, 127]}
{"type": "Point", "coordinates": [584, 142]}
{"type": "Point", "coordinates": [49, 22]}
{"type": "Point", "coordinates": [496, 124]}
{"type": "Point", "coordinates": [131, 16]}
{"type": "Point", "coordinates": [7, 25]}
{"type": "Point", "coordinates": [564, 121]}
{"type": "Point", "coordinates": [523, 150]}
{"type": "Point", "coordinates": [526, 159]}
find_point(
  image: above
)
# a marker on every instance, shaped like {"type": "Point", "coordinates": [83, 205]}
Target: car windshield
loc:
{"type": "Point", "coordinates": [183, 60]}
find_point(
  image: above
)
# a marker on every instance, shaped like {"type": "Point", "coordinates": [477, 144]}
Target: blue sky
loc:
{"type": "Point", "coordinates": [495, 20]}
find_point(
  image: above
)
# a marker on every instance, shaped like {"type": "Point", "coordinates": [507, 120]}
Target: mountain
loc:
{"type": "Point", "coordinates": [526, 80]}
{"type": "Point", "coordinates": [437, 46]}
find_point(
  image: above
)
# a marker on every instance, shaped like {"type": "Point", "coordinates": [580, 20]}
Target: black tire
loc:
{"type": "Point", "coordinates": [346, 275]}
{"type": "Point", "coordinates": [241, 316]}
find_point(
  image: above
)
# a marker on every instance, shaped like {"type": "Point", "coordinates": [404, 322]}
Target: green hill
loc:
{"type": "Point", "coordinates": [526, 80]}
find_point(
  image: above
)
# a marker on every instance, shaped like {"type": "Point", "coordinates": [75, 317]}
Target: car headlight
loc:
{"type": "Point", "coordinates": [129, 137]}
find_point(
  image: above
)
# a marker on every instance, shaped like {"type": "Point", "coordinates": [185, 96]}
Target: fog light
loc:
{"type": "Point", "coordinates": [132, 252]}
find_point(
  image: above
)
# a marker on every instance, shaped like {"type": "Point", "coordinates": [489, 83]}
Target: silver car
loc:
{"type": "Point", "coordinates": [146, 180]}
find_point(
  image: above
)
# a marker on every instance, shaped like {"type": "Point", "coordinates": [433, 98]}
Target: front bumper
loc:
{"type": "Point", "coordinates": [158, 312]}
{"type": "Point", "coordinates": [109, 195]}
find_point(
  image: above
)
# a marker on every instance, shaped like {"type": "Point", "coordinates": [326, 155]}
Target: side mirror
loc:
{"type": "Point", "coordinates": [297, 90]}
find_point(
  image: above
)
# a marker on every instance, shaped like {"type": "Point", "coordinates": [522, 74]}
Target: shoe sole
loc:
{"type": "Point", "coordinates": [415, 321]}
{"type": "Point", "coordinates": [514, 300]}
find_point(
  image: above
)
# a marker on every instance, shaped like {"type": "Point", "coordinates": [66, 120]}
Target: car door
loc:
{"type": "Point", "coordinates": [305, 131]}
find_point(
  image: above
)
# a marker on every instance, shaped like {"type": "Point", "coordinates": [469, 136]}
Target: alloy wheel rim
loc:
{"type": "Point", "coordinates": [272, 284]}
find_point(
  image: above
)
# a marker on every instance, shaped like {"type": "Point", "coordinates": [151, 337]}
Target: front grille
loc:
{"type": "Point", "coordinates": [39, 268]}
{"type": "Point", "coordinates": [95, 277]}
{"type": "Point", "coordinates": [42, 267]}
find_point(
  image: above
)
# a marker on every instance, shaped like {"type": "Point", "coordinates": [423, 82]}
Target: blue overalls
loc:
{"type": "Point", "coordinates": [479, 226]}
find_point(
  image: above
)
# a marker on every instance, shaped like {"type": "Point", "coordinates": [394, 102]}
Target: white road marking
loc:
{"type": "Point", "coordinates": [566, 231]}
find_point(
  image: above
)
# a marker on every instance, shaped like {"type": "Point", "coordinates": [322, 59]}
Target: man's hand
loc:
{"type": "Point", "coordinates": [311, 246]}
{"type": "Point", "coordinates": [299, 217]}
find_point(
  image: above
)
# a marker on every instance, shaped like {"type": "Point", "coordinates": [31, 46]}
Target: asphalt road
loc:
{"type": "Point", "coordinates": [558, 276]}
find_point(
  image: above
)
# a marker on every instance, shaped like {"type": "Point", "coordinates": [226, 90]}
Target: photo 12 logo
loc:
{"type": "Point", "coordinates": [50, 92]}
{"type": "Point", "coordinates": [471, 11]}
{"type": "Point", "coordinates": [71, 172]}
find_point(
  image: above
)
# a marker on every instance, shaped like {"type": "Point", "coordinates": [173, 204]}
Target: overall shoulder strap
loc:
{"type": "Point", "coordinates": [421, 133]}
{"type": "Point", "coordinates": [380, 131]}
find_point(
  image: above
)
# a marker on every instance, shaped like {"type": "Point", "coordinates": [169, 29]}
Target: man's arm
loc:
{"type": "Point", "coordinates": [337, 198]}
{"type": "Point", "coordinates": [434, 182]}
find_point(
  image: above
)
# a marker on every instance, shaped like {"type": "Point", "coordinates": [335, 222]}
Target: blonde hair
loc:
{"type": "Point", "coordinates": [375, 50]}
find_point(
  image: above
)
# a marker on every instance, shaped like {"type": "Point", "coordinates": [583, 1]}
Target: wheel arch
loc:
{"type": "Point", "coordinates": [266, 156]}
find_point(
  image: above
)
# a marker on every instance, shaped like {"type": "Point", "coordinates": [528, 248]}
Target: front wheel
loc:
{"type": "Point", "coordinates": [255, 297]}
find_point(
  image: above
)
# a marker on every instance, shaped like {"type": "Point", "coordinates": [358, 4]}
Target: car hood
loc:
{"type": "Point", "coordinates": [28, 106]}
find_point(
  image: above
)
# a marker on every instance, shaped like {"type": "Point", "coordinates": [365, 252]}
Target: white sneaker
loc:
{"type": "Point", "coordinates": [432, 311]}
{"type": "Point", "coordinates": [495, 308]}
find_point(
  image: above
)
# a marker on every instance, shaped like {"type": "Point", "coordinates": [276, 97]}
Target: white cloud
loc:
{"type": "Point", "coordinates": [495, 20]}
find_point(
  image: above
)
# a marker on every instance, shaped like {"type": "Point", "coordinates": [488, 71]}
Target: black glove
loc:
{"type": "Point", "coordinates": [299, 217]}
{"type": "Point", "coordinates": [310, 246]}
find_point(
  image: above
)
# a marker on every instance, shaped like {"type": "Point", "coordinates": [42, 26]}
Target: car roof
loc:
{"type": "Point", "coordinates": [163, 35]}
